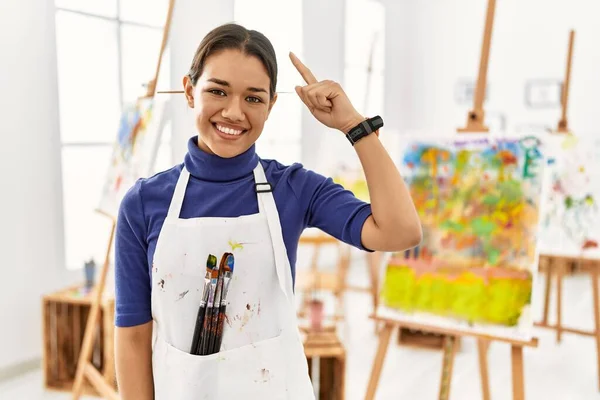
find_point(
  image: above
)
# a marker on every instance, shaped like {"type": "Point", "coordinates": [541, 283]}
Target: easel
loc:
{"type": "Point", "coordinates": [563, 122]}
{"type": "Point", "coordinates": [85, 369]}
{"type": "Point", "coordinates": [559, 264]}
{"type": "Point", "coordinates": [475, 124]}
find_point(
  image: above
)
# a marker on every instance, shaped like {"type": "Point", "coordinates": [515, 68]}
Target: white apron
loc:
{"type": "Point", "coordinates": [262, 356]}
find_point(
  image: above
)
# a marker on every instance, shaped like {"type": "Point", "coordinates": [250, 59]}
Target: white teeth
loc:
{"type": "Point", "coordinates": [228, 131]}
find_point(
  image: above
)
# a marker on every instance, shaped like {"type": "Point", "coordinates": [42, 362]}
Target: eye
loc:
{"type": "Point", "coordinates": [217, 92]}
{"type": "Point", "coordinates": [254, 99]}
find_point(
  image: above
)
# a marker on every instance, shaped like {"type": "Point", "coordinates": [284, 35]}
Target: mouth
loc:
{"type": "Point", "coordinates": [228, 133]}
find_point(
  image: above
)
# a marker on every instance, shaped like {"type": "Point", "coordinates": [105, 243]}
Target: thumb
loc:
{"type": "Point", "coordinates": [298, 91]}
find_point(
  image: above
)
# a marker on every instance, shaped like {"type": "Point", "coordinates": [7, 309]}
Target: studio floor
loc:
{"type": "Point", "coordinates": [552, 371]}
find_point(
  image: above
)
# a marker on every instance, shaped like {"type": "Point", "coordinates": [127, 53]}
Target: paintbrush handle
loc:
{"type": "Point", "coordinates": [220, 323]}
{"type": "Point", "coordinates": [205, 331]}
{"type": "Point", "coordinates": [214, 317]}
{"type": "Point", "coordinates": [198, 329]}
{"type": "Point", "coordinates": [213, 330]}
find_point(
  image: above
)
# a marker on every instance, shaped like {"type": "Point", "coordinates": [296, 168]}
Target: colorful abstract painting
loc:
{"type": "Point", "coordinates": [571, 215]}
{"type": "Point", "coordinates": [478, 200]}
{"type": "Point", "coordinates": [134, 151]}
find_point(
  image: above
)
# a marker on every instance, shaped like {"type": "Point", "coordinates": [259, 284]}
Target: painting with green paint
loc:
{"type": "Point", "coordinates": [478, 199]}
{"type": "Point", "coordinates": [571, 216]}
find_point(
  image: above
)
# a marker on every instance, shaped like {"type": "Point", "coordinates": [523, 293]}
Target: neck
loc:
{"type": "Point", "coordinates": [205, 165]}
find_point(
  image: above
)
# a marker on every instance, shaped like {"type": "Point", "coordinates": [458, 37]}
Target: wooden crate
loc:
{"type": "Point", "coordinates": [332, 363]}
{"type": "Point", "coordinates": [65, 316]}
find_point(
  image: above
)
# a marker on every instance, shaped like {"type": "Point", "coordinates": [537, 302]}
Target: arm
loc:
{"type": "Point", "coordinates": [133, 358]}
{"type": "Point", "coordinates": [133, 317]}
{"type": "Point", "coordinates": [394, 224]}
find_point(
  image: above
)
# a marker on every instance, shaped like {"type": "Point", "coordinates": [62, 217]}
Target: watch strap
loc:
{"type": "Point", "coordinates": [365, 128]}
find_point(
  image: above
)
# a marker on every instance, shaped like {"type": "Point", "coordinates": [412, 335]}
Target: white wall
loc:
{"type": "Point", "coordinates": [31, 240]}
{"type": "Point", "coordinates": [432, 44]}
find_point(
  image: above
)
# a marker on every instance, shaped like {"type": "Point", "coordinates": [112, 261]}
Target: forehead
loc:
{"type": "Point", "coordinates": [236, 68]}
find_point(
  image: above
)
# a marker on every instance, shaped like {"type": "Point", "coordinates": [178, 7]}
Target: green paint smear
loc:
{"type": "Point", "coordinates": [482, 226]}
{"type": "Point", "coordinates": [491, 200]}
{"type": "Point", "coordinates": [466, 297]}
{"type": "Point", "coordinates": [568, 202]}
{"type": "Point", "coordinates": [452, 226]}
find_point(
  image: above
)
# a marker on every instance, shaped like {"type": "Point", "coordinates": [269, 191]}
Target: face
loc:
{"type": "Point", "coordinates": [231, 102]}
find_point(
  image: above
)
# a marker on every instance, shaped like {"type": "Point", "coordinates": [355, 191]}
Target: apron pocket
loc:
{"type": "Point", "coordinates": [254, 371]}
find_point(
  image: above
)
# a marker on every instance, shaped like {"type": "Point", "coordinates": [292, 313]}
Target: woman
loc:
{"type": "Point", "coordinates": [225, 199]}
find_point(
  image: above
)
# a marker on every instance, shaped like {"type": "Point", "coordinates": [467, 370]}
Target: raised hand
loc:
{"type": "Point", "coordinates": [326, 100]}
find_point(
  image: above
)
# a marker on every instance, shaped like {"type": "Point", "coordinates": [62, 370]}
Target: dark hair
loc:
{"type": "Point", "coordinates": [233, 36]}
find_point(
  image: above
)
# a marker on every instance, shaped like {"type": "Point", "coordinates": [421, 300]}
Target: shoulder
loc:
{"type": "Point", "coordinates": [294, 173]}
{"type": "Point", "coordinates": [295, 176]}
{"type": "Point", "coordinates": [160, 185]}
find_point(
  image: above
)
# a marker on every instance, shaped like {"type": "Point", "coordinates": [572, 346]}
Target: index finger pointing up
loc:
{"type": "Point", "coordinates": [309, 78]}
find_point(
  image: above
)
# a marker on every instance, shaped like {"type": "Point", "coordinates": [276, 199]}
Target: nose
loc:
{"type": "Point", "coordinates": [233, 110]}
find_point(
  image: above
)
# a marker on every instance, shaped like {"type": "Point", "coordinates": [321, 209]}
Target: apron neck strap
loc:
{"type": "Point", "coordinates": [266, 205]}
{"type": "Point", "coordinates": [177, 200]}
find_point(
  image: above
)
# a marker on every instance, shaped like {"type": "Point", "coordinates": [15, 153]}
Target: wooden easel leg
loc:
{"type": "Point", "coordinates": [547, 291]}
{"type": "Point", "coordinates": [560, 270]}
{"type": "Point", "coordinates": [517, 373]}
{"type": "Point", "coordinates": [447, 364]}
{"type": "Point", "coordinates": [482, 349]}
{"type": "Point", "coordinates": [384, 341]}
{"type": "Point", "coordinates": [90, 328]}
{"type": "Point", "coordinates": [374, 261]}
{"type": "Point", "coordinates": [596, 300]}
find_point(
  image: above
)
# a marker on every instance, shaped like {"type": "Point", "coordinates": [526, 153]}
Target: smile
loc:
{"type": "Point", "coordinates": [228, 131]}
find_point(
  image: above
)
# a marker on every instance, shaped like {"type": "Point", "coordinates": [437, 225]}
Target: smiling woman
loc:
{"type": "Point", "coordinates": [225, 194]}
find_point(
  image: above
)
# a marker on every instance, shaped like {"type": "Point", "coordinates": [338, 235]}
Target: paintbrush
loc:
{"type": "Point", "coordinates": [226, 281]}
{"type": "Point", "coordinates": [204, 337]}
{"type": "Point", "coordinates": [211, 262]}
{"type": "Point", "coordinates": [216, 308]}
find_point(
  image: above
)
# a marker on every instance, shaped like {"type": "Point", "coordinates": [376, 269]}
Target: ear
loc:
{"type": "Point", "coordinates": [188, 89]}
{"type": "Point", "coordinates": [271, 104]}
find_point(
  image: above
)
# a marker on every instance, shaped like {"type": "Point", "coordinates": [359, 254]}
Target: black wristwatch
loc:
{"type": "Point", "coordinates": [365, 128]}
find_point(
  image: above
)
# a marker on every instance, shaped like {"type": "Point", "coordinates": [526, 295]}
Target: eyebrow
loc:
{"type": "Point", "coordinates": [225, 83]}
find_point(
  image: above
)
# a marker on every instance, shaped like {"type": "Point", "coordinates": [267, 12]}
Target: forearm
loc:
{"type": "Point", "coordinates": [133, 358]}
{"type": "Point", "coordinates": [394, 213]}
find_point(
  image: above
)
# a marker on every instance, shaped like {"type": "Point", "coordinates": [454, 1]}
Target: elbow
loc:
{"type": "Point", "coordinates": [410, 237]}
{"type": "Point", "coordinates": [413, 236]}
{"type": "Point", "coordinates": [418, 238]}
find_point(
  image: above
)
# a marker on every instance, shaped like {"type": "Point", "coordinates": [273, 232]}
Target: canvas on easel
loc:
{"type": "Point", "coordinates": [478, 198]}
{"type": "Point", "coordinates": [571, 215]}
{"type": "Point", "coordinates": [134, 151]}
{"type": "Point", "coordinates": [469, 188]}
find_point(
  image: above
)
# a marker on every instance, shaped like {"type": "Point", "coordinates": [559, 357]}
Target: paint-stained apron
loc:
{"type": "Point", "coordinates": [262, 356]}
